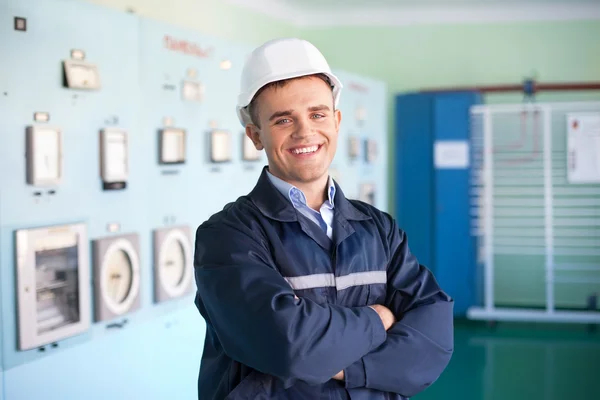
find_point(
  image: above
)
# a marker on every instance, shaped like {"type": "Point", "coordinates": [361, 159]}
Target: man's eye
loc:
{"type": "Point", "coordinates": [282, 121]}
{"type": "Point", "coordinates": [318, 116]}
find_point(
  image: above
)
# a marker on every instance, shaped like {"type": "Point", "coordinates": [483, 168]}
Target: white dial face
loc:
{"type": "Point", "coordinates": [115, 156]}
{"type": "Point", "coordinates": [221, 146]}
{"type": "Point", "coordinates": [47, 154]}
{"type": "Point", "coordinates": [119, 276]}
{"type": "Point", "coordinates": [371, 150]}
{"type": "Point", "coordinates": [83, 75]}
{"type": "Point", "coordinates": [192, 91]}
{"type": "Point", "coordinates": [173, 267]}
{"type": "Point", "coordinates": [173, 146]}
{"type": "Point", "coordinates": [354, 147]}
{"type": "Point", "coordinates": [250, 152]}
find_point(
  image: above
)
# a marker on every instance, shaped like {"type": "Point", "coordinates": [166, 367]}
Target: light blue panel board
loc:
{"type": "Point", "coordinates": [34, 83]}
{"type": "Point", "coordinates": [198, 188]}
{"type": "Point", "coordinates": [153, 360]}
{"type": "Point", "coordinates": [361, 92]}
{"type": "Point", "coordinates": [1, 323]}
{"type": "Point", "coordinates": [158, 340]}
{"type": "Point", "coordinates": [157, 353]}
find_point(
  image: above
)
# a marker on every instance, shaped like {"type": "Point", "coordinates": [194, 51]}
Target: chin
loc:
{"type": "Point", "coordinates": [311, 176]}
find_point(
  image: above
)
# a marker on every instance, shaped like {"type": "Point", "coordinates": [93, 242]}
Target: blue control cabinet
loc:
{"type": "Point", "coordinates": [432, 175]}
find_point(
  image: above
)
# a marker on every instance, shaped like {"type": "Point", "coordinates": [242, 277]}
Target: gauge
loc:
{"type": "Point", "coordinates": [173, 262]}
{"type": "Point", "coordinates": [52, 284]}
{"type": "Point", "coordinates": [249, 152]}
{"type": "Point", "coordinates": [361, 113]}
{"type": "Point", "coordinates": [220, 146]}
{"type": "Point", "coordinates": [192, 91]}
{"type": "Point", "coordinates": [114, 160]}
{"type": "Point", "coordinates": [81, 75]}
{"type": "Point", "coordinates": [172, 267]}
{"type": "Point", "coordinates": [44, 155]}
{"type": "Point", "coordinates": [172, 146]}
{"type": "Point", "coordinates": [366, 193]}
{"type": "Point", "coordinates": [370, 151]}
{"type": "Point", "coordinates": [117, 275]}
{"type": "Point", "coordinates": [353, 147]}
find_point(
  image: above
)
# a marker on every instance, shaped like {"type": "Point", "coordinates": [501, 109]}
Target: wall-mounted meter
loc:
{"type": "Point", "coordinates": [44, 155]}
{"type": "Point", "coordinates": [370, 151]}
{"type": "Point", "coordinates": [53, 295]}
{"type": "Point", "coordinates": [360, 114]}
{"type": "Point", "coordinates": [366, 193]}
{"type": "Point", "coordinates": [353, 147]}
{"type": "Point", "coordinates": [116, 275]}
{"type": "Point", "coordinates": [249, 152]}
{"type": "Point", "coordinates": [173, 267]}
{"type": "Point", "coordinates": [114, 159]}
{"type": "Point", "coordinates": [220, 146]}
{"type": "Point", "coordinates": [192, 91]}
{"type": "Point", "coordinates": [81, 75]}
{"type": "Point", "coordinates": [172, 148]}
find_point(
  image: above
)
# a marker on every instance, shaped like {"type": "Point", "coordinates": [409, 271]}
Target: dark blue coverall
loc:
{"type": "Point", "coordinates": [255, 256]}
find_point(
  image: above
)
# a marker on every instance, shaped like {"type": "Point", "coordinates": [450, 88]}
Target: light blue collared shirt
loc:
{"type": "Point", "coordinates": [324, 218]}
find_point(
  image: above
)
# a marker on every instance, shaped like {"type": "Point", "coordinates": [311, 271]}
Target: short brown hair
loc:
{"type": "Point", "coordinates": [253, 107]}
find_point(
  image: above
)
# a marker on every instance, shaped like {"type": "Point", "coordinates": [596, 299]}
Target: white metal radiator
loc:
{"type": "Point", "coordinates": [536, 212]}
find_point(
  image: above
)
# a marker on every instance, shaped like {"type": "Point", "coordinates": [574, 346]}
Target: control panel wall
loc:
{"type": "Point", "coordinates": [126, 128]}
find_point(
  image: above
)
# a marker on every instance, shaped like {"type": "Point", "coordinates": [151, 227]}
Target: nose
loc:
{"type": "Point", "coordinates": [303, 129]}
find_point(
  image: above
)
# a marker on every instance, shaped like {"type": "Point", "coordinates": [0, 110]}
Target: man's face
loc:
{"type": "Point", "coordinates": [298, 129]}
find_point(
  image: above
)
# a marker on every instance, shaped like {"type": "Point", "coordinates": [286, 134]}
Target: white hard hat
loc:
{"type": "Point", "coordinates": [277, 60]}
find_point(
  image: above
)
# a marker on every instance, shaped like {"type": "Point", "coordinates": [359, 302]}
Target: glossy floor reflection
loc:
{"type": "Point", "coordinates": [521, 362]}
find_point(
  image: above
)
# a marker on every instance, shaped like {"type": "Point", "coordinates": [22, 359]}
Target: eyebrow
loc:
{"type": "Point", "coordinates": [320, 107]}
{"type": "Point", "coordinates": [278, 114]}
{"type": "Point", "coordinates": [287, 113]}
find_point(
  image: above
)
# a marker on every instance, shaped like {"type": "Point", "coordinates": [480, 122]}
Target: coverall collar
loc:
{"type": "Point", "coordinates": [272, 204]}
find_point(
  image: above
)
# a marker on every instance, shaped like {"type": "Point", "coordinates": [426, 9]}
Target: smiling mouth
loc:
{"type": "Point", "coordinates": [307, 150]}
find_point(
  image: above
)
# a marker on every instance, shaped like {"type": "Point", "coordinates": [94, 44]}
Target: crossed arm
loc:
{"type": "Point", "coordinates": [420, 344]}
{"type": "Point", "coordinates": [300, 340]}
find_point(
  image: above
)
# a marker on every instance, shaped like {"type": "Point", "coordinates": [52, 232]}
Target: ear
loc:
{"type": "Point", "coordinates": [338, 119]}
{"type": "Point", "coordinates": [253, 133]}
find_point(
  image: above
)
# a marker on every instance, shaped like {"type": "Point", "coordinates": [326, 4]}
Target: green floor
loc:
{"type": "Point", "coordinates": [520, 362]}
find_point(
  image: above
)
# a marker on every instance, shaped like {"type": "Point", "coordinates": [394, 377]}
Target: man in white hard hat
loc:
{"type": "Point", "coordinates": [307, 294]}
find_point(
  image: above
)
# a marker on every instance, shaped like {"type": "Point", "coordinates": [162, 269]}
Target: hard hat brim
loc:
{"type": "Point", "coordinates": [244, 99]}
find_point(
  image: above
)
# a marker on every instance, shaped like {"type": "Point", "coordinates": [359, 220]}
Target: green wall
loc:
{"type": "Point", "coordinates": [416, 57]}
{"type": "Point", "coordinates": [427, 56]}
{"type": "Point", "coordinates": [213, 17]}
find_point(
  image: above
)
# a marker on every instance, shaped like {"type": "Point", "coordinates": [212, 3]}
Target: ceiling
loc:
{"type": "Point", "coordinates": [410, 12]}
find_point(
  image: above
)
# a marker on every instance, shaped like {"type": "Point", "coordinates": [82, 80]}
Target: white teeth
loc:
{"type": "Point", "coordinates": [303, 150]}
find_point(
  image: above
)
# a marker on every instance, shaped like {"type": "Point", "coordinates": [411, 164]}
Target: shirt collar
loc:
{"type": "Point", "coordinates": [272, 204]}
{"type": "Point", "coordinates": [296, 196]}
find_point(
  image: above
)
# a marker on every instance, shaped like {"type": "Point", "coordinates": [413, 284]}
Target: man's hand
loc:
{"type": "Point", "coordinates": [339, 376]}
{"type": "Point", "coordinates": [387, 317]}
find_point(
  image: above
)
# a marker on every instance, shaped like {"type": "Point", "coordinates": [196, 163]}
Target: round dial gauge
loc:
{"type": "Point", "coordinates": [119, 276]}
{"type": "Point", "coordinates": [175, 270]}
{"type": "Point", "coordinates": [174, 264]}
